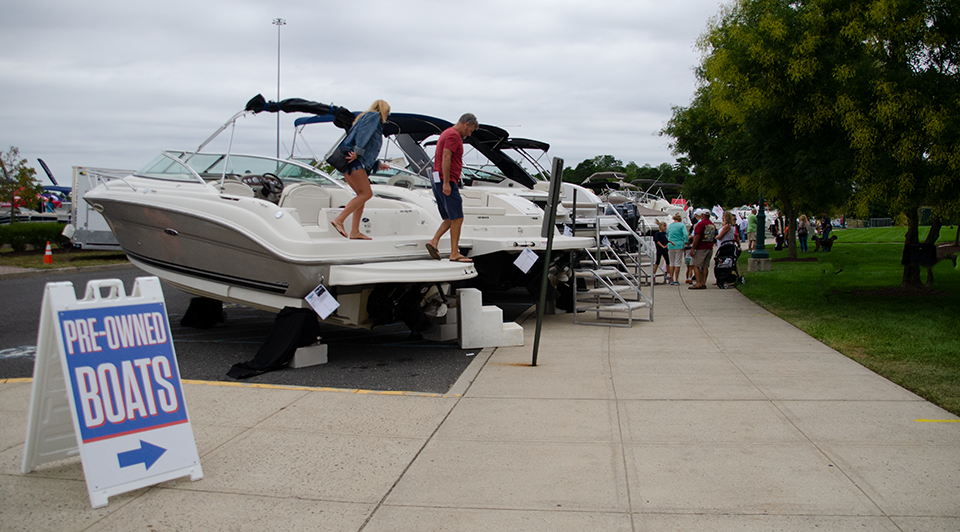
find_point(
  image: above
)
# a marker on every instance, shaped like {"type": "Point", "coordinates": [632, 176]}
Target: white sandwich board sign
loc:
{"type": "Point", "coordinates": [106, 385]}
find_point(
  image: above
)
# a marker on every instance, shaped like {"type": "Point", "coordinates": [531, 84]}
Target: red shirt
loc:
{"type": "Point", "coordinates": [451, 140]}
{"type": "Point", "coordinates": [708, 236]}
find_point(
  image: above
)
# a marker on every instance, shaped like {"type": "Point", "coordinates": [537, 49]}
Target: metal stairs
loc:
{"type": "Point", "coordinates": [615, 277]}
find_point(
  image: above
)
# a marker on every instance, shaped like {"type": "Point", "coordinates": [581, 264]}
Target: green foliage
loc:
{"type": "Point", "coordinates": [762, 117]}
{"type": "Point", "coordinates": [34, 234]}
{"type": "Point", "coordinates": [844, 300]}
{"type": "Point", "coordinates": [902, 110]}
{"type": "Point", "coordinates": [17, 181]}
{"type": "Point", "coordinates": [600, 163]}
{"type": "Point", "coordinates": [813, 100]}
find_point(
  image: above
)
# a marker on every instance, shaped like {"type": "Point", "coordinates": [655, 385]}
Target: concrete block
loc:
{"type": "Point", "coordinates": [443, 332]}
{"type": "Point", "coordinates": [482, 326]}
{"type": "Point", "coordinates": [759, 265]}
{"type": "Point", "coordinates": [311, 355]}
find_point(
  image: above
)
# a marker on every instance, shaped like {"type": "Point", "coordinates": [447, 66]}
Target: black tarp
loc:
{"type": "Point", "coordinates": [293, 328]}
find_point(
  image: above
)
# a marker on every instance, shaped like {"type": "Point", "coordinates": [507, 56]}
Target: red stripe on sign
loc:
{"type": "Point", "coordinates": [144, 429]}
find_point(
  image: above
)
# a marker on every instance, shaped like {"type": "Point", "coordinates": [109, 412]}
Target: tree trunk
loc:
{"type": "Point", "coordinates": [935, 224]}
{"type": "Point", "coordinates": [911, 272]}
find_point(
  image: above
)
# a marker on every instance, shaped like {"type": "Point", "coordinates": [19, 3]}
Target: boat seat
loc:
{"type": "Point", "coordinates": [308, 199]}
{"type": "Point", "coordinates": [484, 211]}
{"type": "Point", "coordinates": [236, 188]}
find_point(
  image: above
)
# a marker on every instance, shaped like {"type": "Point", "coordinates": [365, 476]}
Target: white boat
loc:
{"type": "Point", "coordinates": [255, 230]}
{"type": "Point", "coordinates": [500, 222]}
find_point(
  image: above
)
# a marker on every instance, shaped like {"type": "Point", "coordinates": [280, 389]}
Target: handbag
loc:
{"type": "Point", "coordinates": [338, 159]}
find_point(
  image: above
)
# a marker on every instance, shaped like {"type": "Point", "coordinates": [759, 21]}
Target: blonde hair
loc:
{"type": "Point", "coordinates": [803, 218]}
{"type": "Point", "coordinates": [677, 216]}
{"type": "Point", "coordinates": [380, 107]}
{"type": "Point", "coordinates": [728, 218]}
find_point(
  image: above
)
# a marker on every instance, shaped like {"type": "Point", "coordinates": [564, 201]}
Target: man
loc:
{"type": "Point", "coordinates": [704, 236]}
{"type": "Point", "coordinates": [447, 164]}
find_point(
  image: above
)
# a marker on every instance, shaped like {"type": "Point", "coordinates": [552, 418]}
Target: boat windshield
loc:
{"type": "Point", "coordinates": [479, 176]}
{"type": "Point", "coordinates": [168, 168]}
{"type": "Point", "coordinates": [385, 177]}
{"type": "Point", "coordinates": [213, 166]}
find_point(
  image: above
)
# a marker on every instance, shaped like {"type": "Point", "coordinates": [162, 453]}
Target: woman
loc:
{"type": "Point", "coordinates": [660, 239]}
{"type": "Point", "coordinates": [803, 230]}
{"type": "Point", "coordinates": [728, 233]}
{"type": "Point", "coordinates": [362, 144]}
{"type": "Point", "coordinates": [677, 237]}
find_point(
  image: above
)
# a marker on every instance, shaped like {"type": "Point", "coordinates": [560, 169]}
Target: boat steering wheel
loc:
{"type": "Point", "coordinates": [271, 184]}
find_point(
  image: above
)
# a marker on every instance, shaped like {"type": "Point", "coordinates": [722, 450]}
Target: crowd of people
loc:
{"type": "Point", "coordinates": [677, 247]}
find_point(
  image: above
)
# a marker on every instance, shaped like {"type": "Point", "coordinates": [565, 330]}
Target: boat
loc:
{"type": "Point", "coordinates": [500, 222]}
{"type": "Point", "coordinates": [255, 230]}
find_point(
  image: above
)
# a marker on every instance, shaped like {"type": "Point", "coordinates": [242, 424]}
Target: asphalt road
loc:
{"type": "Point", "coordinates": [382, 359]}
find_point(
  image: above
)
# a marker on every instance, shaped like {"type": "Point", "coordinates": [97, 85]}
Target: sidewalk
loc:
{"type": "Point", "coordinates": [717, 416]}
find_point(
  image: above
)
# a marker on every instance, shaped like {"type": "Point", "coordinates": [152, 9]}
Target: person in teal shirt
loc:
{"type": "Point", "coordinates": [752, 230]}
{"type": "Point", "coordinates": [676, 238]}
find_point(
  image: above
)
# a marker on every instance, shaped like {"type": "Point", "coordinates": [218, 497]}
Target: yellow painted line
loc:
{"type": "Point", "coordinates": [280, 387]}
{"type": "Point", "coordinates": [937, 420]}
{"type": "Point", "coordinates": [310, 389]}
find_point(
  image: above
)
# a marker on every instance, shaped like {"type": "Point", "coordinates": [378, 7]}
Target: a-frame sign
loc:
{"type": "Point", "coordinates": [106, 385]}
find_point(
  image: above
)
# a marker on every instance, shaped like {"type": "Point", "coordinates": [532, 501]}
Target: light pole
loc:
{"type": "Point", "coordinates": [278, 22]}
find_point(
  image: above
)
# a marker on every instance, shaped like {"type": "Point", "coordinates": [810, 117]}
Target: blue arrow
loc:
{"type": "Point", "coordinates": [147, 454]}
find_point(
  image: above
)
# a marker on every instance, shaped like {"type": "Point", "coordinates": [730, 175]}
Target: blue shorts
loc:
{"type": "Point", "coordinates": [354, 166]}
{"type": "Point", "coordinates": [451, 207]}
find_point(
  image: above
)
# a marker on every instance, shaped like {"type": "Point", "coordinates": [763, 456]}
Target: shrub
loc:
{"type": "Point", "coordinates": [35, 234]}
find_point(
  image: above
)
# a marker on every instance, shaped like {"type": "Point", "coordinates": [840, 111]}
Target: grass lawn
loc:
{"type": "Point", "coordinates": [849, 300]}
{"type": "Point", "coordinates": [61, 258]}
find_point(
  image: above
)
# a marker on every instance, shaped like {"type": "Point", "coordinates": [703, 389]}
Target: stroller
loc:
{"type": "Point", "coordinates": [725, 266]}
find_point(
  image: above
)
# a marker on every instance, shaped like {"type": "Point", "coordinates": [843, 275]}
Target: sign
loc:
{"type": "Point", "coordinates": [526, 260]}
{"type": "Point", "coordinates": [322, 301]}
{"type": "Point", "coordinates": [106, 366]}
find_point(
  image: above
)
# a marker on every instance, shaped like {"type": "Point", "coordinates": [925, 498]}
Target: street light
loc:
{"type": "Point", "coordinates": [278, 22]}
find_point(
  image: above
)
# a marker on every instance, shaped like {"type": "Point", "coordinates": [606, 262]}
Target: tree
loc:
{"type": "Point", "coordinates": [18, 186]}
{"type": "Point", "coordinates": [588, 167]}
{"type": "Point", "coordinates": [764, 116]}
{"type": "Point", "coordinates": [902, 110]}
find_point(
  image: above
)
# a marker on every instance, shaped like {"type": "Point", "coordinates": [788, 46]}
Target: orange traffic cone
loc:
{"type": "Point", "coordinates": [48, 256]}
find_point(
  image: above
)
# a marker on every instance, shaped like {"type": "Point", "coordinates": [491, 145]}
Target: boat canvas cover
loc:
{"type": "Point", "coordinates": [341, 116]}
{"type": "Point", "coordinates": [487, 139]}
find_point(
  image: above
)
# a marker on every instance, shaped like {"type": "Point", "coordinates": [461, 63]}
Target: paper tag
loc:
{"type": "Point", "coordinates": [322, 301]}
{"type": "Point", "coordinates": [567, 231]}
{"type": "Point", "coordinates": [436, 177]}
{"type": "Point", "coordinates": [526, 260]}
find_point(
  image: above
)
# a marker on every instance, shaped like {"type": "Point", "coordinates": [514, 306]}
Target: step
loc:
{"type": "Point", "coordinates": [618, 288]}
{"type": "Point", "coordinates": [619, 307]}
{"type": "Point", "coordinates": [614, 233]}
{"type": "Point", "coordinates": [597, 273]}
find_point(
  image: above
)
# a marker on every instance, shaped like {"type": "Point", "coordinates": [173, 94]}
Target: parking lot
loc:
{"type": "Point", "coordinates": [385, 358]}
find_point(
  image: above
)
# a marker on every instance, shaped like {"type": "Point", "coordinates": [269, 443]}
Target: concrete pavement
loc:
{"type": "Point", "coordinates": [717, 416]}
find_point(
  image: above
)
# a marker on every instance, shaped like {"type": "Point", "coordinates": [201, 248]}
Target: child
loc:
{"type": "Point", "coordinates": [687, 256]}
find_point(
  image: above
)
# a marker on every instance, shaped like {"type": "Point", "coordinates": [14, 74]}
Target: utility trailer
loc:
{"type": "Point", "coordinates": [88, 229]}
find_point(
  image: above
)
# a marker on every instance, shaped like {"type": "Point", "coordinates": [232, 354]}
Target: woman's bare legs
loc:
{"type": "Point", "coordinates": [360, 184]}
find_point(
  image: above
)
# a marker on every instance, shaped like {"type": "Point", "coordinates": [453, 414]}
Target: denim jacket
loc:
{"type": "Point", "coordinates": [365, 139]}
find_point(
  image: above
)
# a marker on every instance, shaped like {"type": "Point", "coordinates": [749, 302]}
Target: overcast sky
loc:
{"type": "Point", "coordinates": [109, 83]}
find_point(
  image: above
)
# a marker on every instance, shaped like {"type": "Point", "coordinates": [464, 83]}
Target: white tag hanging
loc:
{"type": "Point", "coordinates": [526, 260]}
{"type": "Point", "coordinates": [322, 301]}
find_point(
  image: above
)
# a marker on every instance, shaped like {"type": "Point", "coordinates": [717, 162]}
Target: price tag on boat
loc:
{"type": "Point", "coordinates": [322, 301]}
{"type": "Point", "coordinates": [526, 260]}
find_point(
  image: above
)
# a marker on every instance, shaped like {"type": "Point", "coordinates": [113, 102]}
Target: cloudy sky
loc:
{"type": "Point", "coordinates": [110, 83]}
